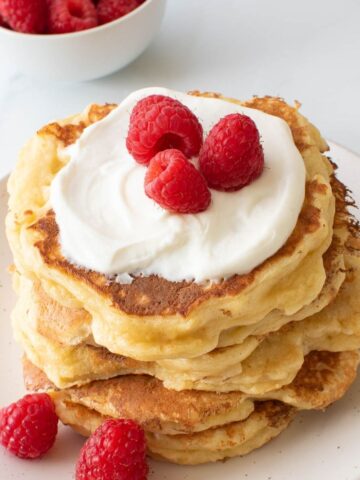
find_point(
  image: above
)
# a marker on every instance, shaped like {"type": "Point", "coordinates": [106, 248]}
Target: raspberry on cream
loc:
{"type": "Point", "coordinates": [108, 224]}
{"type": "Point", "coordinates": [158, 122]}
{"type": "Point", "coordinates": [232, 156]}
{"type": "Point", "coordinates": [175, 184]}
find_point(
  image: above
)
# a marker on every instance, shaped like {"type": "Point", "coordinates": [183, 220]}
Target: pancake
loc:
{"type": "Point", "coordinates": [153, 319]}
{"type": "Point", "coordinates": [239, 438]}
{"type": "Point", "coordinates": [267, 421]}
{"type": "Point", "coordinates": [177, 423]}
{"type": "Point", "coordinates": [323, 379]}
{"type": "Point", "coordinates": [256, 366]}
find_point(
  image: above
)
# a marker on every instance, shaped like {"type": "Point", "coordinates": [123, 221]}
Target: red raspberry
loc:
{"type": "Point", "coordinates": [26, 16]}
{"type": "Point", "coordinates": [115, 451]}
{"type": "Point", "coordinates": [28, 427]}
{"type": "Point", "coordinates": [232, 155]}
{"type": "Point", "coordinates": [157, 123]}
{"type": "Point", "coordinates": [175, 184]}
{"type": "Point", "coordinates": [109, 10]}
{"type": "Point", "coordinates": [67, 16]}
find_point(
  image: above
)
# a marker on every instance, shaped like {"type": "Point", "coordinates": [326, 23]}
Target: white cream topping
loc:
{"type": "Point", "coordinates": [108, 224]}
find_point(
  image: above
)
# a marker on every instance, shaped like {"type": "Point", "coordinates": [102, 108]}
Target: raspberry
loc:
{"type": "Point", "coordinates": [115, 451]}
{"type": "Point", "coordinates": [28, 427]}
{"type": "Point", "coordinates": [67, 16]}
{"type": "Point", "coordinates": [26, 16]}
{"type": "Point", "coordinates": [175, 184]}
{"type": "Point", "coordinates": [232, 155]}
{"type": "Point", "coordinates": [158, 123]}
{"type": "Point", "coordinates": [109, 10]}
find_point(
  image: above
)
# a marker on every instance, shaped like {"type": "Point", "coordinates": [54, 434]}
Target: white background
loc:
{"type": "Point", "coordinates": [307, 50]}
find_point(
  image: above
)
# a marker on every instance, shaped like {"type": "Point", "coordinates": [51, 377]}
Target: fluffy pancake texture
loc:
{"type": "Point", "coordinates": [210, 370]}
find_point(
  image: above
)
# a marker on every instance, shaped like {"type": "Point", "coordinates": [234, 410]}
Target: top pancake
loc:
{"type": "Point", "coordinates": [153, 318]}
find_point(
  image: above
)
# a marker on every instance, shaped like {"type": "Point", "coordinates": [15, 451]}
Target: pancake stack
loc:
{"type": "Point", "coordinates": [210, 370]}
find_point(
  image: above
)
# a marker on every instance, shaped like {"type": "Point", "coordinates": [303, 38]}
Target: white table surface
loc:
{"type": "Point", "coordinates": [307, 50]}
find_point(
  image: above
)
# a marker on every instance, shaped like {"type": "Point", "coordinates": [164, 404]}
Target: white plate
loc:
{"type": "Point", "coordinates": [317, 445]}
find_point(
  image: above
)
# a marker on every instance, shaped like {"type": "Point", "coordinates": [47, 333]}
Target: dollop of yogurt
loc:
{"type": "Point", "coordinates": [109, 225]}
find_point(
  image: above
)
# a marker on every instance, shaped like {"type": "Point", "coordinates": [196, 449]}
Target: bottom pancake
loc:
{"type": "Point", "coordinates": [268, 420]}
{"type": "Point", "coordinates": [192, 427]}
{"type": "Point", "coordinates": [323, 379]}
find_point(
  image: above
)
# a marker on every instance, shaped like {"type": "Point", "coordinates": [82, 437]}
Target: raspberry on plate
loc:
{"type": "Point", "coordinates": [25, 16]}
{"type": "Point", "coordinates": [232, 156]}
{"type": "Point", "coordinates": [109, 10]}
{"type": "Point", "coordinates": [67, 16]}
{"type": "Point", "coordinates": [115, 451]}
{"type": "Point", "coordinates": [157, 123]}
{"type": "Point", "coordinates": [28, 427]}
{"type": "Point", "coordinates": [175, 184]}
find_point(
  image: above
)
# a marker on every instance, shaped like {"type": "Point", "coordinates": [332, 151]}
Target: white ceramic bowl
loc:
{"type": "Point", "coordinates": [87, 54]}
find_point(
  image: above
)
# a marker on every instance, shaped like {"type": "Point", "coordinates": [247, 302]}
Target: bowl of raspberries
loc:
{"type": "Point", "coordinates": [76, 40]}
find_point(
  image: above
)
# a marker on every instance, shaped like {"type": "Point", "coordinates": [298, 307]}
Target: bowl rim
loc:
{"type": "Point", "coordinates": [81, 33]}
